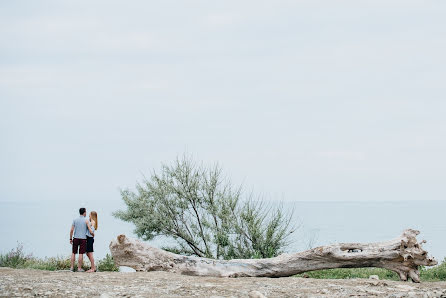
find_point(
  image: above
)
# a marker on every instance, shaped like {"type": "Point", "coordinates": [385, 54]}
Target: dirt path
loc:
{"type": "Point", "coordinates": [15, 282]}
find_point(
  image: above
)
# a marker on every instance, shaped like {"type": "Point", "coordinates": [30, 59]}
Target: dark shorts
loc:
{"type": "Point", "coordinates": [79, 244]}
{"type": "Point", "coordinates": [90, 241]}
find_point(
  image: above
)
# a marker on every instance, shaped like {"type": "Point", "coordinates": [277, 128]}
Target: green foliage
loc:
{"type": "Point", "coordinates": [51, 264]}
{"type": "Point", "coordinates": [346, 273]}
{"type": "Point", "coordinates": [107, 264]}
{"type": "Point", "coordinates": [434, 273]}
{"type": "Point", "coordinates": [437, 273]}
{"type": "Point", "coordinates": [204, 213]}
{"type": "Point", "coordinates": [16, 258]}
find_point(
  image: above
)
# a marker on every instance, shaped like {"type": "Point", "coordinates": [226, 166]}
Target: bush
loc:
{"type": "Point", "coordinates": [205, 214]}
{"type": "Point", "coordinates": [16, 258]}
{"type": "Point", "coordinates": [107, 264]}
{"type": "Point", "coordinates": [434, 273]}
{"type": "Point", "coordinates": [55, 263]}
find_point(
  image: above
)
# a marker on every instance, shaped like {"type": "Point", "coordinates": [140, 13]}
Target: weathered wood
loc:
{"type": "Point", "coordinates": [403, 255]}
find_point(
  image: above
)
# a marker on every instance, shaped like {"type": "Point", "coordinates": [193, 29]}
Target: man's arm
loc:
{"type": "Point", "coordinates": [71, 234]}
{"type": "Point", "coordinates": [89, 228]}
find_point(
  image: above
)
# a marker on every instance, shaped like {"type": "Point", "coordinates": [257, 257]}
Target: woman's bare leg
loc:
{"type": "Point", "coordinates": [93, 267]}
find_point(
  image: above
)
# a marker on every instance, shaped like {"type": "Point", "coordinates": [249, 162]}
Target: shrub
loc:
{"type": "Point", "coordinates": [107, 264]}
{"type": "Point", "coordinates": [434, 273]}
{"type": "Point", "coordinates": [16, 258]}
{"type": "Point", "coordinates": [205, 214]}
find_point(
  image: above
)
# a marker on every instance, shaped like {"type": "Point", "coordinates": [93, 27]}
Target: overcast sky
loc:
{"type": "Point", "coordinates": [299, 100]}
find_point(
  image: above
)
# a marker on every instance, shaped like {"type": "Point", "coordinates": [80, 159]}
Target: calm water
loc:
{"type": "Point", "coordinates": [43, 227]}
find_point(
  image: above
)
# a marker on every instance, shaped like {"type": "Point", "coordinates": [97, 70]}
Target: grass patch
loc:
{"type": "Point", "coordinates": [16, 258]}
{"type": "Point", "coordinates": [437, 273]}
{"type": "Point", "coordinates": [107, 264]}
{"type": "Point", "coordinates": [346, 273]}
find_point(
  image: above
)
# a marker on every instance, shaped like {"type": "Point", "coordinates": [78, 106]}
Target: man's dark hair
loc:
{"type": "Point", "coordinates": [82, 211]}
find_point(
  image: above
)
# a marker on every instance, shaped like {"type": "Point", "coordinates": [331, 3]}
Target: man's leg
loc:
{"type": "Point", "coordinates": [80, 261]}
{"type": "Point", "coordinates": [73, 258]}
{"type": "Point", "coordinates": [82, 250]}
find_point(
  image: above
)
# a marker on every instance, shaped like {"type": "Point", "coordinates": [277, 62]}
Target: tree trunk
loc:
{"type": "Point", "coordinates": [402, 255]}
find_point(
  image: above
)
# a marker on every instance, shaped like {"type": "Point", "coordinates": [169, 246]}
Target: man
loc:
{"type": "Point", "coordinates": [79, 243]}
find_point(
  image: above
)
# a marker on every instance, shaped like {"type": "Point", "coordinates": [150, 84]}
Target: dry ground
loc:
{"type": "Point", "coordinates": [25, 282]}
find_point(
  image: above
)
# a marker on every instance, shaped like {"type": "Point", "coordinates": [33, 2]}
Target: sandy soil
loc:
{"type": "Point", "coordinates": [14, 282]}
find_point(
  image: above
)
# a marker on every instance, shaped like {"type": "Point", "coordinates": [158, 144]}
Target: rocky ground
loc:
{"type": "Point", "coordinates": [15, 282]}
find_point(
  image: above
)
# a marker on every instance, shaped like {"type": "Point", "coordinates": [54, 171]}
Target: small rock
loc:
{"type": "Point", "coordinates": [256, 294]}
{"type": "Point", "coordinates": [374, 283]}
{"type": "Point", "coordinates": [376, 277]}
{"type": "Point", "coordinates": [126, 269]}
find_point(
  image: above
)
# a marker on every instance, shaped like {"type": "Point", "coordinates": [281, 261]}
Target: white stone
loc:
{"type": "Point", "coordinates": [126, 269]}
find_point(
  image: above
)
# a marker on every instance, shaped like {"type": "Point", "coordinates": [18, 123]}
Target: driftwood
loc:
{"type": "Point", "coordinates": [403, 255]}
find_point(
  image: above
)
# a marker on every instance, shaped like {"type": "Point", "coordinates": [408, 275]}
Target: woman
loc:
{"type": "Point", "coordinates": [92, 227]}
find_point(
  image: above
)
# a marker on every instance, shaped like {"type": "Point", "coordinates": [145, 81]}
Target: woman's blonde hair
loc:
{"type": "Point", "coordinates": [94, 216]}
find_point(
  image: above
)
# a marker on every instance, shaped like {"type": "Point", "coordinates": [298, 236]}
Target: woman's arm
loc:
{"type": "Point", "coordinates": [89, 227]}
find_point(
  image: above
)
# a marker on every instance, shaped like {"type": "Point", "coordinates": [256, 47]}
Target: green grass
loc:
{"type": "Point", "coordinates": [346, 273]}
{"type": "Point", "coordinates": [434, 273]}
{"type": "Point", "coordinates": [107, 264]}
{"type": "Point", "coordinates": [437, 273]}
{"type": "Point", "coordinates": [16, 258]}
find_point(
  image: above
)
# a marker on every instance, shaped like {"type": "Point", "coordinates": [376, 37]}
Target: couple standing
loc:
{"type": "Point", "coordinates": [83, 240]}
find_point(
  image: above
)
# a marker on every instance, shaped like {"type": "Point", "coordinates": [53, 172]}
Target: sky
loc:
{"type": "Point", "coordinates": [297, 100]}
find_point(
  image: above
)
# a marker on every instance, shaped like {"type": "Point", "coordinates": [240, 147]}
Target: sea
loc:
{"type": "Point", "coordinates": [43, 227]}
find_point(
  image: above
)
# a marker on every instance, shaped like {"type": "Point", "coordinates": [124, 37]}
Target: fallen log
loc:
{"type": "Point", "coordinates": [402, 255]}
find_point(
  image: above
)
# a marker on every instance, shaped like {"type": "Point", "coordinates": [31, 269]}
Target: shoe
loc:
{"type": "Point", "coordinates": [71, 270]}
{"type": "Point", "coordinates": [80, 270]}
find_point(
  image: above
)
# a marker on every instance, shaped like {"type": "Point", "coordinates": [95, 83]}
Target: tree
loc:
{"type": "Point", "coordinates": [204, 213]}
{"type": "Point", "coordinates": [403, 255]}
